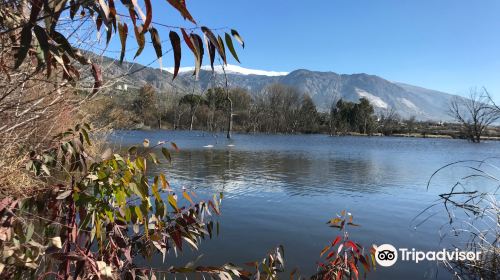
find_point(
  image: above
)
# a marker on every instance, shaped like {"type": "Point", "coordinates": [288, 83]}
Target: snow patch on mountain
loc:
{"type": "Point", "coordinates": [409, 104]}
{"type": "Point", "coordinates": [374, 100]}
{"type": "Point", "coordinates": [231, 69]}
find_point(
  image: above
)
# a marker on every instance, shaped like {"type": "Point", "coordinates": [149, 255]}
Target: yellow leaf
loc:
{"type": "Point", "coordinates": [173, 202]}
{"type": "Point", "coordinates": [335, 221]}
{"type": "Point", "coordinates": [324, 250]}
{"type": "Point", "coordinates": [187, 197]}
{"type": "Point", "coordinates": [164, 183]}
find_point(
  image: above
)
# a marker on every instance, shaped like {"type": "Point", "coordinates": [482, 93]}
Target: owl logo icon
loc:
{"type": "Point", "coordinates": [386, 255]}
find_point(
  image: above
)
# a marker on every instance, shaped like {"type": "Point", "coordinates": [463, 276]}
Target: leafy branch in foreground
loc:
{"type": "Point", "coordinates": [103, 215]}
{"type": "Point", "coordinates": [34, 31]}
{"type": "Point", "coordinates": [100, 216]}
{"type": "Point", "coordinates": [342, 257]}
{"type": "Point", "coordinates": [51, 62]}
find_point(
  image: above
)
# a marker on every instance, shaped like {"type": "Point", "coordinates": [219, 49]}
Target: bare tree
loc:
{"type": "Point", "coordinates": [474, 113]}
{"type": "Point", "coordinates": [281, 105]}
{"type": "Point", "coordinates": [230, 105]}
{"type": "Point", "coordinates": [194, 101]}
{"type": "Point", "coordinates": [389, 120]}
{"type": "Point", "coordinates": [411, 124]}
{"type": "Point", "coordinates": [333, 115]}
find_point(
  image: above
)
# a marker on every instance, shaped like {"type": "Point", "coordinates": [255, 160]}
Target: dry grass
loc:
{"type": "Point", "coordinates": [484, 240]}
{"type": "Point", "coordinates": [14, 181]}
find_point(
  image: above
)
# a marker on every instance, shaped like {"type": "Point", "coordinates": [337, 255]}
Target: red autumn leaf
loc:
{"type": "Point", "coordinates": [174, 146]}
{"type": "Point", "coordinates": [352, 245]}
{"type": "Point", "coordinates": [197, 44]}
{"type": "Point", "coordinates": [97, 74]}
{"type": "Point", "coordinates": [354, 269]}
{"type": "Point", "coordinates": [176, 46]}
{"type": "Point", "coordinates": [176, 236]}
{"type": "Point", "coordinates": [219, 47]}
{"type": "Point", "coordinates": [155, 39]}
{"type": "Point", "coordinates": [337, 240]}
{"type": "Point", "coordinates": [123, 32]}
{"type": "Point", "coordinates": [181, 7]}
{"type": "Point", "coordinates": [149, 15]}
{"type": "Point", "coordinates": [112, 12]}
{"type": "Point", "coordinates": [187, 40]}
{"type": "Point", "coordinates": [211, 53]}
{"type": "Point", "coordinates": [364, 262]}
{"type": "Point", "coordinates": [330, 255]}
{"type": "Point", "coordinates": [133, 15]}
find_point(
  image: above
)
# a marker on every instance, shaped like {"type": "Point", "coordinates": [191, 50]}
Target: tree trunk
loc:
{"type": "Point", "coordinates": [193, 113]}
{"type": "Point", "coordinates": [364, 125]}
{"type": "Point", "coordinates": [212, 120]}
{"type": "Point", "coordinates": [208, 122]}
{"type": "Point", "coordinates": [177, 119]}
{"type": "Point", "coordinates": [192, 121]}
{"type": "Point", "coordinates": [230, 121]}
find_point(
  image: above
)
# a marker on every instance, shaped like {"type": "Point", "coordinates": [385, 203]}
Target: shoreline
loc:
{"type": "Point", "coordinates": [401, 135]}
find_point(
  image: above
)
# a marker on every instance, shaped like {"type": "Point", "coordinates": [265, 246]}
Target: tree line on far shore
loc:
{"type": "Point", "coordinates": [277, 109]}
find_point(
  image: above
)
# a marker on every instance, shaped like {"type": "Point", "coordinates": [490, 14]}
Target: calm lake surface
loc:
{"type": "Point", "coordinates": [282, 189]}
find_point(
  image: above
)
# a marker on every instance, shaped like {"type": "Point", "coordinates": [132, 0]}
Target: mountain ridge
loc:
{"type": "Point", "coordinates": [324, 87]}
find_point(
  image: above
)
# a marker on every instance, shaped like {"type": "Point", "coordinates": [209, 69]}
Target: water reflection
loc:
{"type": "Point", "coordinates": [256, 172]}
{"type": "Point", "coordinates": [282, 189]}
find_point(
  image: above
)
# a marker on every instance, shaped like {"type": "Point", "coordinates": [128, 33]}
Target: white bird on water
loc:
{"type": "Point", "coordinates": [208, 146]}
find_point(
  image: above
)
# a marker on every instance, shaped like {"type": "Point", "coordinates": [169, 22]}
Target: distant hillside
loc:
{"type": "Point", "coordinates": [323, 87]}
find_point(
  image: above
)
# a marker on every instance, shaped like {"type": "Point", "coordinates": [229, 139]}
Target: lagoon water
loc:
{"type": "Point", "coordinates": [282, 189]}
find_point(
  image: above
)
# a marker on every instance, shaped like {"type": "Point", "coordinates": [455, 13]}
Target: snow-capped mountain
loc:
{"type": "Point", "coordinates": [231, 69]}
{"type": "Point", "coordinates": [323, 87]}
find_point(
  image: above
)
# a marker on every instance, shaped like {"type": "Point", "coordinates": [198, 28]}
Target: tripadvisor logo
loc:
{"type": "Point", "coordinates": [387, 255]}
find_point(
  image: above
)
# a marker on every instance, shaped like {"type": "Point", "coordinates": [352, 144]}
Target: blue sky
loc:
{"type": "Point", "coordinates": [447, 45]}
